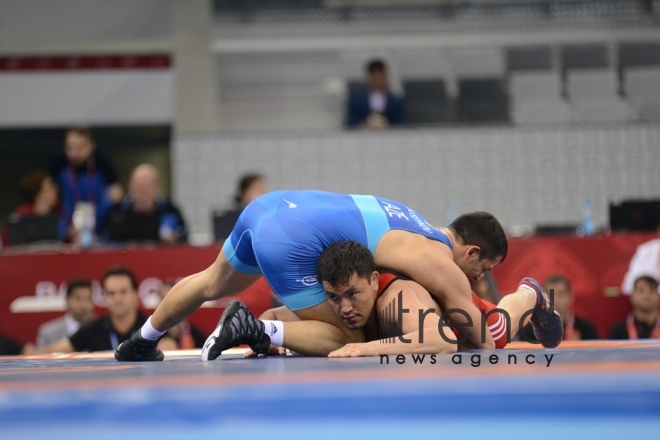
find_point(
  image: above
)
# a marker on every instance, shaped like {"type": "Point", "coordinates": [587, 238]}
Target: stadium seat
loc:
{"type": "Point", "coordinates": [584, 56]}
{"type": "Point", "coordinates": [483, 100]}
{"type": "Point", "coordinates": [594, 97]}
{"type": "Point", "coordinates": [642, 89]}
{"type": "Point", "coordinates": [536, 98]}
{"type": "Point", "coordinates": [427, 102]}
{"type": "Point", "coordinates": [639, 54]}
{"type": "Point", "coordinates": [528, 58]}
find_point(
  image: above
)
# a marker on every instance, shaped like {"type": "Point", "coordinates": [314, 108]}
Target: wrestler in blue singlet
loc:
{"type": "Point", "coordinates": [282, 234]}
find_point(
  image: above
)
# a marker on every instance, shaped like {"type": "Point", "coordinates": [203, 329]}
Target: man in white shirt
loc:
{"type": "Point", "coordinates": [646, 261]}
{"type": "Point", "coordinates": [79, 310]}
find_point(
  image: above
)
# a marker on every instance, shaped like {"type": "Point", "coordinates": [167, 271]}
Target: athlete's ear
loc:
{"type": "Point", "coordinates": [375, 278]}
{"type": "Point", "coordinates": [472, 252]}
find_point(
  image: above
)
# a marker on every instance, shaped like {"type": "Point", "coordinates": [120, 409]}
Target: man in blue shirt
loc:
{"type": "Point", "coordinates": [83, 174]}
{"type": "Point", "coordinates": [144, 198]}
{"type": "Point", "coordinates": [375, 107]}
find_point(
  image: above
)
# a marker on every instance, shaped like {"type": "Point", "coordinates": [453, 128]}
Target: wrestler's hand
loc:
{"type": "Point", "coordinates": [272, 351]}
{"type": "Point", "coordinates": [355, 350]}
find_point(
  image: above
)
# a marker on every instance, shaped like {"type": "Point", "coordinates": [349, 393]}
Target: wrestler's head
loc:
{"type": "Point", "coordinates": [348, 274]}
{"type": "Point", "coordinates": [481, 243]}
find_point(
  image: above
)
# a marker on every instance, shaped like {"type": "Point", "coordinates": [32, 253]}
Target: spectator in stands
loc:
{"type": "Point", "coordinates": [575, 327]}
{"type": "Point", "coordinates": [249, 188]}
{"type": "Point", "coordinates": [182, 336]}
{"type": "Point", "coordinates": [79, 311]}
{"type": "Point", "coordinates": [144, 197]}
{"type": "Point", "coordinates": [375, 107]}
{"type": "Point", "coordinates": [643, 322]}
{"type": "Point", "coordinates": [83, 174]}
{"type": "Point", "coordinates": [646, 261]}
{"type": "Point", "coordinates": [120, 288]}
{"type": "Point", "coordinates": [9, 347]}
{"type": "Point", "coordinates": [39, 193]}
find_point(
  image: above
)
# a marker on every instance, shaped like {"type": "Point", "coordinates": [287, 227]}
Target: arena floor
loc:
{"type": "Point", "coordinates": [589, 390]}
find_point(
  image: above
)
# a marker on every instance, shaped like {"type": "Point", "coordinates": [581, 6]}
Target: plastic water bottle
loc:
{"type": "Point", "coordinates": [86, 236]}
{"type": "Point", "coordinates": [84, 218]}
{"type": "Point", "coordinates": [588, 225]}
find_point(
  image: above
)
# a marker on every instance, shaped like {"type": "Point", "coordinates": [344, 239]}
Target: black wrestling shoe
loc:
{"type": "Point", "coordinates": [236, 326]}
{"type": "Point", "coordinates": [547, 325]}
{"type": "Point", "coordinates": [138, 349]}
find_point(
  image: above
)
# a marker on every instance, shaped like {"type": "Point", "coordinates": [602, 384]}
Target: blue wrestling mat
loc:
{"type": "Point", "coordinates": [581, 390]}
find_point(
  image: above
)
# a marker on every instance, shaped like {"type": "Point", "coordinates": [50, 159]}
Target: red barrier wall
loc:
{"type": "Point", "coordinates": [22, 271]}
{"type": "Point", "coordinates": [594, 265]}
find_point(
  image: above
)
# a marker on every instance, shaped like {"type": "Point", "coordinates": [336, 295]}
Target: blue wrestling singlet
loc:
{"type": "Point", "coordinates": [282, 234]}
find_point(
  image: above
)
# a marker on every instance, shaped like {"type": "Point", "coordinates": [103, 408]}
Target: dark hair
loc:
{"type": "Point", "coordinates": [481, 229]}
{"type": "Point", "coordinates": [31, 185]}
{"type": "Point", "coordinates": [377, 65]}
{"type": "Point", "coordinates": [77, 284]}
{"type": "Point", "coordinates": [649, 280]}
{"type": "Point", "coordinates": [82, 131]}
{"type": "Point", "coordinates": [552, 279]}
{"type": "Point", "coordinates": [120, 270]}
{"type": "Point", "coordinates": [246, 181]}
{"type": "Point", "coordinates": [341, 260]}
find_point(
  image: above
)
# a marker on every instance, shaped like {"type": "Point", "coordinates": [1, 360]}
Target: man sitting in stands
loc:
{"type": "Point", "coordinates": [644, 320]}
{"type": "Point", "coordinates": [144, 198]}
{"type": "Point", "coordinates": [123, 319]}
{"type": "Point", "coordinates": [79, 311]}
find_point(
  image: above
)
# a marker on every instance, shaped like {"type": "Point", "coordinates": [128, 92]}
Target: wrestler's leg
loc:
{"type": "Point", "coordinates": [218, 280]}
{"type": "Point", "coordinates": [516, 305]}
{"type": "Point", "coordinates": [310, 337]}
{"type": "Point", "coordinates": [185, 297]}
{"type": "Point", "coordinates": [319, 332]}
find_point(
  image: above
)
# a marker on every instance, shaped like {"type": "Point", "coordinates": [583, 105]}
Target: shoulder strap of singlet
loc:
{"type": "Point", "coordinates": [444, 238]}
{"type": "Point", "coordinates": [387, 277]}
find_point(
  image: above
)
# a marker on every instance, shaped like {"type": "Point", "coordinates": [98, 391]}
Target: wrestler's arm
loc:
{"type": "Point", "coordinates": [428, 263]}
{"type": "Point", "coordinates": [421, 339]}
